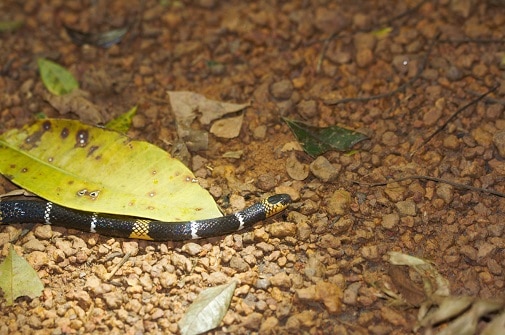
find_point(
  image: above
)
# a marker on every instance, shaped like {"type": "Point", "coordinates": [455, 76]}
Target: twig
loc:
{"type": "Point", "coordinates": [439, 129]}
{"type": "Point", "coordinates": [438, 180]}
{"type": "Point", "coordinates": [118, 266]}
{"type": "Point", "coordinates": [487, 99]}
{"type": "Point", "coordinates": [398, 89]}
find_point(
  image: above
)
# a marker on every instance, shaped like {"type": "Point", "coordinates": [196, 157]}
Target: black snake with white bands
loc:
{"type": "Point", "coordinates": [34, 211]}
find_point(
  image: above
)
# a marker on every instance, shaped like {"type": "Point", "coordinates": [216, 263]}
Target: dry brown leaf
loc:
{"type": "Point", "coordinates": [76, 102]}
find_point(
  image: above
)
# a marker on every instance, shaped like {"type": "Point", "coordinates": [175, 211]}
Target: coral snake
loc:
{"type": "Point", "coordinates": [35, 211]}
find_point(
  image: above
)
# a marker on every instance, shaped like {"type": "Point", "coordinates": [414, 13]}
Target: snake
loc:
{"type": "Point", "coordinates": [47, 212]}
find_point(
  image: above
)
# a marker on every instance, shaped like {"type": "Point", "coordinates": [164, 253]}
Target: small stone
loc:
{"type": "Point", "coordinates": [295, 169]}
{"type": "Point", "coordinates": [239, 264]}
{"type": "Point", "coordinates": [390, 139]}
{"type": "Point", "coordinates": [65, 246]}
{"type": "Point", "coordinates": [168, 280]}
{"type": "Point", "coordinates": [482, 136]}
{"type": "Point", "coordinates": [451, 142]}
{"type": "Point", "coordinates": [131, 247]}
{"type": "Point", "coordinates": [217, 278]}
{"type": "Point", "coordinates": [454, 73]}
{"type": "Point", "coordinates": [192, 248]}
{"type": "Point", "coordinates": [281, 280]}
{"type": "Point", "coordinates": [330, 241]}
{"type": "Point", "coordinates": [43, 232]}
{"type": "Point", "coordinates": [307, 108]}
{"type": "Point", "coordinates": [82, 297]}
{"type": "Point", "coordinates": [314, 268]}
{"type": "Point", "coordinates": [113, 300]}
{"type": "Point", "coordinates": [282, 90]}
{"type": "Point", "coordinates": [469, 252]}
{"type": "Point", "coordinates": [331, 296]}
{"type": "Point", "coordinates": [37, 259]}
{"type": "Point", "coordinates": [339, 203]}
{"type": "Point", "coordinates": [445, 192]}
{"type": "Point", "coordinates": [282, 229]}
{"type": "Point", "coordinates": [364, 57]}
{"type": "Point", "coordinates": [303, 231]}
{"type": "Point", "coordinates": [350, 296]}
{"type": "Point", "coordinates": [260, 132]}
{"type": "Point", "coordinates": [252, 321]}
{"type": "Point", "coordinates": [266, 182]}
{"type": "Point", "coordinates": [324, 170]}
{"type": "Point", "coordinates": [431, 117]}
{"type": "Point", "coordinates": [499, 142]}
{"type": "Point", "coordinates": [389, 221]}
{"type": "Point", "coordinates": [329, 21]}
{"type": "Point", "coordinates": [34, 245]}
{"type": "Point", "coordinates": [269, 326]}
{"type": "Point", "coordinates": [364, 41]}
{"type": "Point", "coordinates": [406, 208]}
{"type": "Point", "coordinates": [370, 252]}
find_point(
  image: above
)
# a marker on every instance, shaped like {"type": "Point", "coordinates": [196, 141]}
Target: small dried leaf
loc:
{"type": "Point", "coordinates": [208, 309]}
{"type": "Point", "coordinates": [18, 278]}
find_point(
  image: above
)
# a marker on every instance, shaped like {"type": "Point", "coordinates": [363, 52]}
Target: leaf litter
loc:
{"type": "Point", "coordinates": [461, 315]}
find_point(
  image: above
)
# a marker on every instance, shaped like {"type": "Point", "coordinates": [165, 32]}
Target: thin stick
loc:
{"type": "Point", "coordinates": [438, 180]}
{"type": "Point", "coordinates": [439, 129]}
{"type": "Point", "coordinates": [118, 266]}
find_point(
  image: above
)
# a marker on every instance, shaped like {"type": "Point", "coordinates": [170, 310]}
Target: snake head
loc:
{"type": "Point", "coordinates": [276, 204]}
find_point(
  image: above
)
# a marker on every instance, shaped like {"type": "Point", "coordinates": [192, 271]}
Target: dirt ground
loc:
{"type": "Point", "coordinates": [322, 267]}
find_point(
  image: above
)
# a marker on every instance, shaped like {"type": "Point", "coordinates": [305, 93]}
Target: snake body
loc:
{"type": "Point", "coordinates": [34, 211]}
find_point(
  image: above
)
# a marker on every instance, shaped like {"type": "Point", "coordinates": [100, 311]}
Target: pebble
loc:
{"type": "Point", "coordinates": [327, 293]}
{"type": "Point", "coordinates": [389, 139]}
{"type": "Point", "coordinates": [330, 241]}
{"type": "Point", "coordinates": [43, 232]}
{"type": "Point", "coordinates": [389, 221]}
{"type": "Point", "coordinates": [131, 247]}
{"type": "Point", "coordinates": [192, 248]}
{"type": "Point", "coordinates": [364, 58]}
{"type": "Point", "coordinates": [307, 108]}
{"type": "Point", "coordinates": [269, 326]}
{"type": "Point", "coordinates": [314, 268]}
{"type": "Point", "coordinates": [282, 90]}
{"type": "Point", "coordinates": [252, 321]}
{"type": "Point", "coordinates": [451, 142]}
{"type": "Point", "coordinates": [281, 280]}
{"type": "Point", "coordinates": [303, 319]}
{"type": "Point", "coordinates": [329, 21]}
{"type": "Point", "coordinates": [499, 142]}
{"type": "Point", "coordinates": [445, 192]}
{"type": "Point", "coordinates": [324, 170]}
{"type": "Point", "coordinates": [34, 245]}
{"type": "Point", "coordinates": [239, 264]}
{"type": "Point", "coordinates": [406, 208]}
{"type": "Point", "coordinates": [303, 231]}
{"type": "Point", "coordinates": [339, 202]}
{"type": "Point", "coordinates": [282, 229]}
{"type": "Point", "coordinates": [37, 259]}
{"type": "Point", "coordinates": [167, 279]}
{"type": "Point", "coordinates": [295, 169]}
{"type": "Point", "coordinates": [266, 182]}
{"type": "Point", "coordinates": [350, 296]}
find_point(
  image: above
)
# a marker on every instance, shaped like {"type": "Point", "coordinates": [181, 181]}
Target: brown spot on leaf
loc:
{"type": "Point", "coordinates": [24, 170]}
{"type": "Point", "coordinates": [92, 149]}
{"type": "Point", "coordinates": [64, 133]}
{"type": "Point", "coordinates": [70, 182]}
{"type": "Point", "coordinates": [31, 141]}
{"type": "Point", "coordinates": [46, 125]}
{"type": "Point", "coordinates": [81, 138]}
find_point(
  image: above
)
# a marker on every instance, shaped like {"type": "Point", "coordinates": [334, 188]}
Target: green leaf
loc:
{"type": "Point", "coordinates": [56, 78]}
{"type": "Point", "coordinates": [99, 170]}
{"type": "Point", "coordinates": [123, 122]}
{"type": "Point", "coordinates": [382, 33]}
{"type": "Point", "coordinates": [18, 278]}
{"type": "Point", "coordinates": [208, 309]}
{"type": "Point", "coordinates": [316, 141]}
